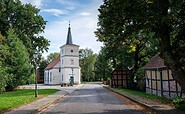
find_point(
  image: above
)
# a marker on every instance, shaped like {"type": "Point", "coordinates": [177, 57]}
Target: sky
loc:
{"type": "Point", "coordinates": [83, 17]}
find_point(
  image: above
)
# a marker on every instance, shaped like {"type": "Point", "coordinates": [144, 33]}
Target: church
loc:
{"type": "Point", "coordinates": [64, 69]}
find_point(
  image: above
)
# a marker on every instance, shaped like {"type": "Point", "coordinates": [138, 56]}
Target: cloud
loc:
{"type": "Point", "coordinates": [55, 12]}
{"type": "Point", "coordinates": [37, 3]}
{"type": "Point", "coordinates": [84, 14]}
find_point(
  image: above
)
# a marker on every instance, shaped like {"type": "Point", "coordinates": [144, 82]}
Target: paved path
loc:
{"type": "Point", "coordinates": [92, 99]}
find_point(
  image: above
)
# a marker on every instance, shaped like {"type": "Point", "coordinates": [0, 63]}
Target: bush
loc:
{"type": "Point", "coordinates": [31, 79]}
{"type": "Point", "coordinates": [140, 79]}
{"type": "Point", "coordinates": [179, 103]}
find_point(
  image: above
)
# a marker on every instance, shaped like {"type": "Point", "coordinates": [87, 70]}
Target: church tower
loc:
{"type": "Point", "coordinates": [69, 57]}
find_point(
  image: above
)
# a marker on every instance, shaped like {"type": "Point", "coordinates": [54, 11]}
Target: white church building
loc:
{"type": "Point", "coordinates": [65, 68]}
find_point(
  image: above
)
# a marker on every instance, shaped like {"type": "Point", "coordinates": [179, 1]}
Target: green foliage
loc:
{"type": "Point", "coordinates": [3, 73]}
{"type": "Point", "coordinates": [140, 79]}
{"type": "Point", "coordinates": [26, 22]}
{"type": "Point", "coordinates": [18, 61]}
{"type": "Point", "coordinates": [131, 50]}
{"type": "Point", "coordinates": [31, 79]}
{"type": "Point", "coordinates": [146, 95]}
{"type": "Point", "coordinates": [179, 103]}
{"type": "Point", "coordinates": [16, 98]}
{"type": "Point", "coordinates": [138, 25]}
{"type": "Point", "coordinates": [43, 64]}
{"type": "Point", "coordinates": [84, 82]}
{"type": "Point", "coordinates": [3, 78]}
{"type": "Point", "coordinates": [21, 26]}
{"type": "Point", "coordinates": [87, 61]}
{"type": "Point", "coordinates": [52, 56]}
{"type": "Point", "coordinates": [102, 67]}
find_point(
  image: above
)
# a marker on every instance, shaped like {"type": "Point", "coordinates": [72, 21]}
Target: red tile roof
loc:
{"type": "Point", "coordinates": [53, 63]}
{"type": "Point", "coordinates": [155, 62]}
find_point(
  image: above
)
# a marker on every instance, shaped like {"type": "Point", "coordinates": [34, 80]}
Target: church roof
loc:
{"type": "Point", "coordinates": [155, 62]}
{"type": "Point", "coordinates": [53, 63]}
{"type": "Point", "coordinates": [69, 36]}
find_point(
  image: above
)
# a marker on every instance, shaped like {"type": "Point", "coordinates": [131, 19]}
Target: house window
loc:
{"type": "Point", "coordinates": [62, 51]}
{"type": "Point", "coordinates": [45, 76]}
{"type": "Point", "coordinates": [59, 69]}
{"type": "Point", "coordinates": [50, 76]}
{"type": "Point", "coordinates": [62, 77]}
{"type": "Point", "coordinates": [62, 62]}
{"type": "Point", "coordinates": [72, 62]}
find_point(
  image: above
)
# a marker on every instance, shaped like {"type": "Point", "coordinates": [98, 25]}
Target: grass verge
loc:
{"type": "Point", "coordinates": [148, 96]}
{"type": "Point", "coordinates": [20, 97]}
{"type": "Point", "coordinates": [84, 82]}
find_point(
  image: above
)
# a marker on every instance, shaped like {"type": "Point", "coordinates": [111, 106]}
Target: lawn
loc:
{"type": "Point", "coordinates": [19, 97]}
{"type": "Point", "coordinates": [146, 95]}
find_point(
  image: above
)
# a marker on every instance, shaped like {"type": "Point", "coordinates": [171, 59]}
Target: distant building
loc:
{"type": "Point", "coordinates": [64, 68]}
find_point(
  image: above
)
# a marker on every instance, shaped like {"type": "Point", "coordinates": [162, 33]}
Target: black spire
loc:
{"type": "Point", "coordinates": [69, 37]}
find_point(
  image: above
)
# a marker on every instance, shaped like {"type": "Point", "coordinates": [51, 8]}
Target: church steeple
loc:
{"type": "Point", "coordinates": [69, 37]}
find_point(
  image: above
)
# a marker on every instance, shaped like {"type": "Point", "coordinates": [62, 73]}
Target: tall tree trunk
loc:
{"type": "Point", "coordinates": [169, 58]}
{"type": "Point", "coordinates": [136, 58]}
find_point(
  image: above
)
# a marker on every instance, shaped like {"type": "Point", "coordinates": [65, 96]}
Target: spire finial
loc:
{"type": "Point", "coordinates": [69, 24]}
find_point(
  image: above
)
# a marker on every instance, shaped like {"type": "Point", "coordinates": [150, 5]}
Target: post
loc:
{"type": "Point", "coordinates": [161, 81]}
{"type": "Point", "coordinates": [36, 90]}
{"type": "Point", "coordinates": [35, 58]}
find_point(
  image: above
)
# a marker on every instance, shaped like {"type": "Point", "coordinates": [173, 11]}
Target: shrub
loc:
{"type": "Point", "coordinates": [140, 79]}
{"type": "Point", "coordinates": [179, 103]}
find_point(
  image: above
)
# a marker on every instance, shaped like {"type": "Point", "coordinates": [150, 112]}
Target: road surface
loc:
{"type": "Point", "coordinates": [93, 99]}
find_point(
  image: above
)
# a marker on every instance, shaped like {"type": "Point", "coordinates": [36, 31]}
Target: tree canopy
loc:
{"type": "Point", "coordinates": [20, 36]}
{"type": "Point", "coordinates": [87, 61]}
{"type": "Point", "coordinates": [15, 60]}
{"type": "Point", "coordinates": [102, 66]}
{"type": "Point", "coordinates": [119, 20]}
{"type": "Point", "coordinates": [52, 56]}
{"type": "Point", "coordinates": [27, 23]}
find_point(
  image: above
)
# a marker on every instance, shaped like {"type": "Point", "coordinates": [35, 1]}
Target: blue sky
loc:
{"type": "Point", "coordinates": [83, 17]}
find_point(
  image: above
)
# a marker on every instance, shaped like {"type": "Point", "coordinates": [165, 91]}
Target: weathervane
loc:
{"type": "Point", "coordinates": [69, 23]}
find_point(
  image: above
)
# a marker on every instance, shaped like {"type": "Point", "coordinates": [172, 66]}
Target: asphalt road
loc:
{"type": "Point", "coordinates": [93, 99]}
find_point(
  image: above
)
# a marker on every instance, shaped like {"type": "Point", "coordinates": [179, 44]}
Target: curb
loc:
{"type": "Point", "coordinates": [48, 105]}
{"type": "Point", "coordinates": [140, 103]}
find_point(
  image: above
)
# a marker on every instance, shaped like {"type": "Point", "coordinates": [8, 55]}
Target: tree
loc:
{"type": "Point", "coordinates": [103, 67]}
{"type": "Point", "coordinates": [26, 22]}
{"type": "Point", "coordinates": [52, 56]}
{"type": "Point", "coordinates": [120, 19]}
{"type": "Point", "coordinates": [17, 61]}
{"type": "Point", "coordinates": [133, 53]}
{"type": "Point", "coordinates": [43, 64]}
{"type": "Point", "coordinates": [4, 76]}
{"type": "Point", "coordinates": [87, 61]}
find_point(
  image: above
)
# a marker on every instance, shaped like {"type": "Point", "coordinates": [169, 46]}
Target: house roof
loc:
{"type": "Point", "coordinates": [155, 62]}
{"type": "Point", "coordinates": [53, 63]}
